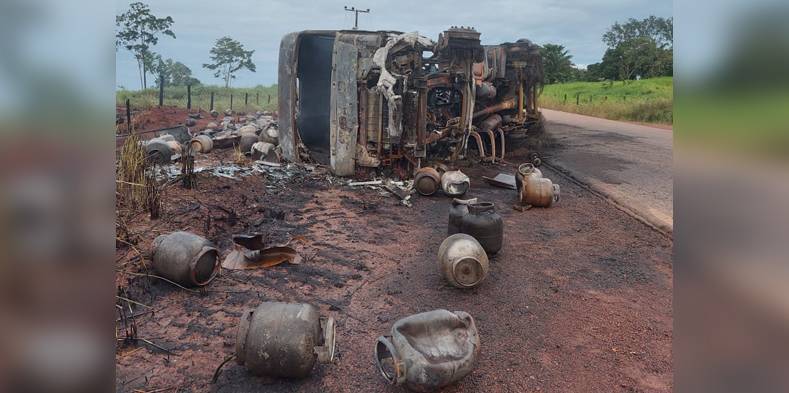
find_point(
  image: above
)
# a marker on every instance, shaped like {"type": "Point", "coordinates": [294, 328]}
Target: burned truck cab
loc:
{"type": "Point", "coordinates": [361, 100]}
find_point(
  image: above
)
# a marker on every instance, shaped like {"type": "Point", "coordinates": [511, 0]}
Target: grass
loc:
{"type": "Point", "coordinates": [201, 97]}
{"type": "Point", "coordinates": [646, 100]}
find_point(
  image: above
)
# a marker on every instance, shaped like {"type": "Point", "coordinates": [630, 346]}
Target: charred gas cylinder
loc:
{"type": "Point", "coordinates": [246, 142]}
{"type": "Point", "coordinates": [269, 135]}
{"type": "Point", "coordinates": [427, 181]}
{"type": "Point", "coordinates": [284, 339]}
{"type": "Point", "coordinates": [463, 261]}
{"type": "Point", "coordinates": [455, 183]}
{"type": "Point", "coordinates": [202, 143]}
{"type": "Point", "coordinates": [428, 351]}
{"type": "Point", "coordinates": [539, 192]}
{"type": "Point", "coordinates": [185, 258]}
{"type": "Point", "coordinates": [161, 149]}
{"type": "Point", "coordinates": [526, 170]}
{"type": "Point", "coordinates": [484, 224]}
{"type": "Point", "coordinates": [457, 210]}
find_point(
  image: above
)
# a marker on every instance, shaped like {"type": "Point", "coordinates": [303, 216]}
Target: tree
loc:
{"type": "Point", "coordinates": [659, 30]}
{"type": "Point", "coordinates": [557, 63]}
{"type": "Point", "coordinates": [638, 48]}
{"type": "Point", "coordinates": [180, 74]}
{"type": "Point", "coordinates": [138, 32]}
{"type": "Point", "coordinates": [152, 64]}
{"type": "Point", "coordinates": [228, 56]}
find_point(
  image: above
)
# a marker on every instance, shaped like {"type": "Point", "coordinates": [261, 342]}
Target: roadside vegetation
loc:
{"type": "Point", "coordinates": [633, 80]}
{"type": "Point", "coordinates": [263, 98]}
{"type": "Point", "coordinates": [646, 100]}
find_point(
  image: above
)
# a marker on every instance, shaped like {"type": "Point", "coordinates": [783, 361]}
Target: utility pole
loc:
{"type": "Point", "coordinates": [356, 14]}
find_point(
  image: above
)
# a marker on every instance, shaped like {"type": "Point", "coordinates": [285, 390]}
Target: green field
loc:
{"type": "Point", "coordinates": [646, 100]}
{"type": "Point", "coordinates": [258, 97]}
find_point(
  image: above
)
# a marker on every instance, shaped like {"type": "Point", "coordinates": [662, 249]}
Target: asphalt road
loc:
{"type": "Point", "coordinates": [630, 164]}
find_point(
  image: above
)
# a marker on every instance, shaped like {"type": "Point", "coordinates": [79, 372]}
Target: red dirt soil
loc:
{"type": "Point", "coordinates": [578, 300]}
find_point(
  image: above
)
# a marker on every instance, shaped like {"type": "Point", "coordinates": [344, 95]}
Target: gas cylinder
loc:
{"type": "Point", "coordinates": [427, 181]}
{"type": "Point", "coordinates": [484, 224]}
{"type": "Point", "coordinates": [457, 210]}
{"type": "Point", "coordinates": [539, 192]}
{"type": "Point", "coordinates": [284, 339]}
{"type": "Point", "coordinates": [463, 261]}
{"type": "Point", "coordinates": [526, 170]}
{"type": "Point", "coordinates": [429, 350]}
{"type": "Point", "coordinates": [185, 258]}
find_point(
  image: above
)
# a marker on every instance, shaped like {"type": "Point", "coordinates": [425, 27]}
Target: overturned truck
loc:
{"type": "Point", "coordinates": [379, 99]}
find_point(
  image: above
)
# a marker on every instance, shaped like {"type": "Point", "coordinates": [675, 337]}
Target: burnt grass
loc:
{"type": "Point", "coordinates": [579, 298]}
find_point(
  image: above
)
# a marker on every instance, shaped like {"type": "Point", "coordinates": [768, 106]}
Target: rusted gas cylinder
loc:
{"type": "Point", "coordinates": [539, 192]}
{"type": "Point", "coordinates": [284, 339]}
{"type": "Point", "coordinates": [526, 170]}
{"type": "Point", "coordinates": [426, 181]}
{"type": "Point", "coordinates": [484, 224]}
{"type": "Point", "coordinates": [185, 258]}
{"type": "Point", "coordinates": [202, 143]}
{"type": "Point", "coordinates": [463, 261]}
{"type": "Point", "coordinates": [429, 350]}
{"type": "Point", "coordinates": [457, 210]}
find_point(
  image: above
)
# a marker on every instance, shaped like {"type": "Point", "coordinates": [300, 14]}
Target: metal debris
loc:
{"type": "Point", "coordinates": [502, 180]}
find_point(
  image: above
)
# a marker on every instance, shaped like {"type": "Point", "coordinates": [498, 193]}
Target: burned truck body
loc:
{"type": "Point", "coordinates": [380, 99]}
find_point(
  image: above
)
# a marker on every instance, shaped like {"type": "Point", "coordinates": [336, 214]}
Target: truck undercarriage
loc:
{"type": "Point", "coordinates": [363, 99]}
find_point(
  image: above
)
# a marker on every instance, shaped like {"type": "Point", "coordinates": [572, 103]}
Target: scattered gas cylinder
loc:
{"type": "Point", "coordinates": [539, 192]}
{"type": "Point", "coordinates": [463, 261]}
{"type": "Point", "coordinates": [161, 149]}
{"type": "Point", "coordinates": [246, 142]}
{"type": "Point", "coordinates": [455, 183]}
{"type": "Point", "coordinates": [429, 350]}
{"type": "Point", "coordinates": [202, 143]}
{"type": "Point", "coordinates": [527, 170]}
{"type": "Point", "coordinates": [427, 180]}
{"type": "Point", "coordinates": [269, 135]}
{"type": "Point", "coordinates": [484, 224]}
{"type": "Point", "coordinates": [185, 258]}
{"type": "Point", "coordinates": [457, 210]}
{"type": "Point", "coordinates": [284, 339]}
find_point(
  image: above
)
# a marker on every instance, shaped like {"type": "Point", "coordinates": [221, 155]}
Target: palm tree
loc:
{"type": "Point", "coordinates": [557, 63]}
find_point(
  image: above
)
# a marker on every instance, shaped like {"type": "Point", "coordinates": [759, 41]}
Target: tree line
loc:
{"type": "Point", "coordinates": [139, 30]}
{"type": "Point", "coordinates": [635, 49]}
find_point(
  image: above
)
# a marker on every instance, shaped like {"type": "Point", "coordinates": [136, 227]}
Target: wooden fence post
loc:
{"type": "Point", "coordinates": [578, 99]}
{"type": "Point", "coordinates": [565, 98]}
{"type": "Point", "coordinates": [212, 102]}
{"type": "Point", "coordinates": [257, 98]}
{"type": "Point", "coordinates": [128, 116]}
{"type": "Point", "coordinates": [231, 102]}
{"type": "Point", "coordinates": [246, 99]}
{"type": "Point", "coordinates": [269, 99]}
{"type": "Point", "coordinates": [161, 91]}
{"type": "Point", "coordinates": [188, 97]}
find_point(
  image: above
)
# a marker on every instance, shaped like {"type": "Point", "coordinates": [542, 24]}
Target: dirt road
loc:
{"type": "Point", "coordinates": [578, 300]}
{"type": "Point", "coordinates": [632, 164]}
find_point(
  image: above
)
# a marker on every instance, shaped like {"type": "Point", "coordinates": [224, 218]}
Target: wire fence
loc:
{"type": "Point", "coordinates": [201, 97]}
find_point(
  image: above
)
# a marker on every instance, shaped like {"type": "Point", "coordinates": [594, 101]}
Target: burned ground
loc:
{"type": "Point", "coordinates": [578, 299]}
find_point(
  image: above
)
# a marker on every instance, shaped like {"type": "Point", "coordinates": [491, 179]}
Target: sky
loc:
{"type": "Point", "coordinates": [260, 25]}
